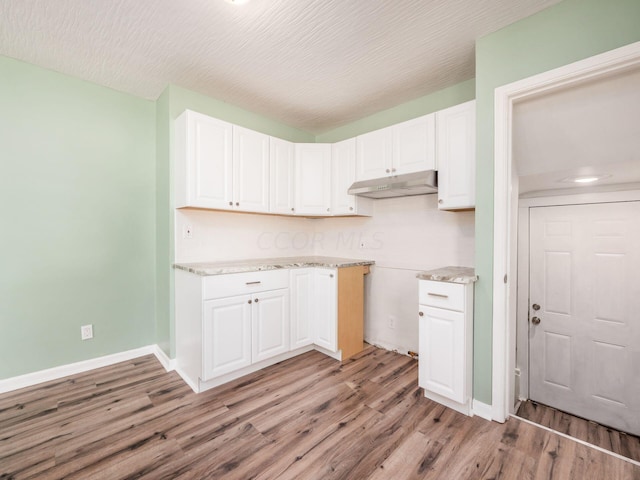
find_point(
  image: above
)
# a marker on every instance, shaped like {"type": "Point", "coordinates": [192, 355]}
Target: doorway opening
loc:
{"type": "Point", "coordinates": [571, 152]}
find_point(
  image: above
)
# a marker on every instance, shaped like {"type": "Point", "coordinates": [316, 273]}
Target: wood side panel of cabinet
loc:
{"type": "Point", "coordinates": [351, 310]}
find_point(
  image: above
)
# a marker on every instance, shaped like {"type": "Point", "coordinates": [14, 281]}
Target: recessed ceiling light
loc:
{"type": "Point", "coordinates": [237, 2]}
{"type": "Point", "coordinates": [584, 178]}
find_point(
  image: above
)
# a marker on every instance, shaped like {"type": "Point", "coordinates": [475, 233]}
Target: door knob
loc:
{"type": "Point", "coordinates": [536, 307]}
{"type": "Point", "coordinates": [535, 320]}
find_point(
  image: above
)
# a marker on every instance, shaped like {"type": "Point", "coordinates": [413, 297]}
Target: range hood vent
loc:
{"type": "Point", "coordinates": [420, 183]}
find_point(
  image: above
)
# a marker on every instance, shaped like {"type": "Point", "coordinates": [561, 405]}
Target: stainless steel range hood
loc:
{"type": "Point", "coordinates": [420, 183]}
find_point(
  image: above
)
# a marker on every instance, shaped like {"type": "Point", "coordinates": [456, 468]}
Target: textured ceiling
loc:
{"type": "Point", "coordinates": [312, 64]}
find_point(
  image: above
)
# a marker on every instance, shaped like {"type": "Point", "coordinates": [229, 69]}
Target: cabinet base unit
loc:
{"type": "Point", "coordinates": [231, 324]}
{"type": "Point", "coordinates": [445, 320]}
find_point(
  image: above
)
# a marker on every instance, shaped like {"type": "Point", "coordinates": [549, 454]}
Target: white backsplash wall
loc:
{"type": "Point", "coordinates": [219, 236]}
{"type": "Point", "coordinates": [405, 235]}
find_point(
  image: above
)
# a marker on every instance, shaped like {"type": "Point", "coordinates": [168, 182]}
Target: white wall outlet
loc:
{"type": "Point", "coordinates": [392, 322]}
{"type": "Point", "coordinates": [86, 332]}
{"type": "Point", "coordinates": [187, 231]}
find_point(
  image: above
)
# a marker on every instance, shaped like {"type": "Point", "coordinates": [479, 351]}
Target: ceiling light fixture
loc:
{"type": "Point", "coordinates": [584, 178]}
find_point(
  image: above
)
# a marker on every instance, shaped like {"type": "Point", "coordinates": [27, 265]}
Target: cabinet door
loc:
{"type": "Point", "coordinates": [282, 180]}
{"type": "Point", "coordinates": [442, 353]}
{"type": "Point", "coordinates": [343, 174]}
{"type": "Point", "coordinates": [373, 154]}
{"type": "Point", "coordinates": [456, 131]}
{"type": "Point", "coordinates": [313, 179]}
{"type": "Point", "coordinates": [204, 176]}
{"type": "Point", "coordinates": [250, 170]}
{"type": "Point", "coordinates": [226, 336]}
{"type": "Point", "coordinates": [270, 324]}
{"type": "Point", "coordinates": [325, 323]}
{"type": "Point", "coordinates": [302, 311]}
{"type": "Point", "coordinates": [414, 145]}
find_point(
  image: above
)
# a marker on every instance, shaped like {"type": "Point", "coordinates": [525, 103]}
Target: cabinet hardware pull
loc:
{"type": "Point", "coordinates": [331, 275]}
{"type": "Point", "coordinates": [237, 204]}
{"type": "Point", "coordinates": [249, 301]}
{"type": "Point", "coordinates": [440, 201]}
{"type": "Point", "coordinates": [231, 204]}
{"type": "Point", "coordinates": [393, 169]}
{"type": "Point", "coordinates": [351, 208]}
{"type": "Point", "coordinates": [256, 300]}
{"type": "Point", "coordinates": [293, 209]}
{"type": "Point", "coordinates": [421, 314]}
{"type": "Point", "coordinates": [437, 295]}
{"type": "Point", "coordinates": [328, 209]}
{"type": "Point", "coordinates": [253, 283]}
{"type": "Point", "coordinates": [388, 171]}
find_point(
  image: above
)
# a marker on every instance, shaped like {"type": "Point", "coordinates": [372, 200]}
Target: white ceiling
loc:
{"type": "Point", "coordinates": [312, 64]}
{"type": "Point", "coordinates": [587, 129]}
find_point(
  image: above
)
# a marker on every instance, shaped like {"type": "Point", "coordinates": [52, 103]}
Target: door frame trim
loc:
{"type": "Point", "coordinates": [505, 207]}
{"type": "Point", "coordinates": [522, 326]}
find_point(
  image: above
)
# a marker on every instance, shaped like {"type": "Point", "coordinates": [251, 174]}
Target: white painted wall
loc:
{"type": "Point", "coordinates": [219, 236]}
{"type": "Point", "coordinates": [404, 236]}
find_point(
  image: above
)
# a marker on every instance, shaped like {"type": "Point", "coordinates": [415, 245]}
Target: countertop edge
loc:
{"type": "Point", "coordinates": [225, 270]}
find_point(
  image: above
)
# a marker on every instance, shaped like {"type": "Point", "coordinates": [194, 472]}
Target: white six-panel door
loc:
{"type": "Point", "coordinates": [585, 338]}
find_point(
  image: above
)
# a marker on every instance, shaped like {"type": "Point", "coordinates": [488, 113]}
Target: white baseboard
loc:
{"type": "Point", "coordinates": [30, 379]}
{"type": "Point", "coordinates": [482, 410]}
{"type": "Point", "coordinates": [169, 364]}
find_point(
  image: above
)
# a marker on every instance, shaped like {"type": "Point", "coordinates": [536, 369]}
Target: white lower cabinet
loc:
{"type": "Point", "coordinates": [302, 307]}
{"type": "Point", "coordinates": [314, 308]}
{"type": "Point", "coordinates": [230, 325]}
{"type": "Point", "coordinates": [446, 343]}
{"type": "Point", "coordinates": [325, 318]}
{"type": "Point", "coordinates": [270, 324]}
{"type": "Point", "coordinates": [226, 336]}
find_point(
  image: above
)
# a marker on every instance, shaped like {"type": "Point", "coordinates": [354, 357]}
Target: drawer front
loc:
{"type": "Point", "coordinates": [221, 286]}
{"type": "Point", "coordinates": [442, 295]}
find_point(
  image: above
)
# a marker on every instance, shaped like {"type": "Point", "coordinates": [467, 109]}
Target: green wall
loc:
{"type": "Point", "coordinates": [171, 104]}
{"type": "Point", "coordinates": [567, 32]}
{"type": "Point", "coordinates": [447, 97]}
{"type": "Point", "coordinates": [77, 203]}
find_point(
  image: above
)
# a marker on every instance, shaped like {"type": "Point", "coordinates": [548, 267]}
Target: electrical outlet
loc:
{"type": "Point", "coordinates": [392, 322]}
{"type": "Point", "coordinates": [86, 332]}
{"type": "Point", "coordinates": [187, 231]}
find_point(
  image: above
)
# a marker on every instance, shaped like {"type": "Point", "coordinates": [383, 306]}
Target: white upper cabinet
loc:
{"type": "Point", "coordinates": [407, 147]}
{"type": "Point", "coordinates": [343, 174]}
{"type": "Point", "coordinates": [282, 177]}
{"type": "Point", "coordinates": [456, 127]}
{"type": "Point", "coordinates": [374, 151]}
{"type": "Point", "coordinates": [313, 179]}
{"type": "Point", "coordinates": [204, 172]}
{"type": "Point", "coordinates": [220, 165]}
{"type": "Point", "coordinates": [250, 170]}
{"type": "Point", "coordinates": [414, 145]}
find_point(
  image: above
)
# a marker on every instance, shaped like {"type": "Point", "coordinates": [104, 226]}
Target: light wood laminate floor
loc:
{"type": "Point", "coordinates": [306, 418]}
{"type": "Point", "coordinates": [605, 437]}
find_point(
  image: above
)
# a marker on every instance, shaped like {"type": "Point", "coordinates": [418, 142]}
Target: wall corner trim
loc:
{"type": "Point", "coordinates": [56, 373]}
{"type": "Point", "coordinates": [482, 410]}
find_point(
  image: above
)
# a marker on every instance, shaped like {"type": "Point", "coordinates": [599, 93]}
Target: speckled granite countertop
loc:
{"type": "Point", "coordinates": [450, 274]}
{"type": "Point", "coordinates": [255, 265]}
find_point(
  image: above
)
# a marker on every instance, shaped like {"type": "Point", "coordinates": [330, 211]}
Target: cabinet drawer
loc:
{"type": "Point", "coordinates": [220, 286]}
{"type": "Point", "coordinates": [442, 295]}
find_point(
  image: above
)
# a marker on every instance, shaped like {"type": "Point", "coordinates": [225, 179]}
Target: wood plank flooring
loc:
{"type": "Point", "coordinates": [306, 418]}
{"type": "Point", "coordinates": [610, 439]}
